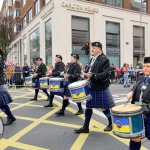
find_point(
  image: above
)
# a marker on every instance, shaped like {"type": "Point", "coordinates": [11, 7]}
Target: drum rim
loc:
{"type": "Point", "coordinates": [3, 127]}
{"type": "Point", "coordinates": [78, 86]}
{"type": "Point", "coordinates": [58, 79]}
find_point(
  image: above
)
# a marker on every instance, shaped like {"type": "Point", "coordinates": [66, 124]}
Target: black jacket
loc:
{"type": "Point", "coordinates": [100, 73]}
{"type": "Point", "coordinates": [41, 71]}
{"type": "Point", "coordinates": [137, 90]}
{"type": "Point", "coordinates": [1, 71]}
{"type": "Point", "coordinates": [59, 67]}
{"type": "Point", "coordinates": [74, 72]}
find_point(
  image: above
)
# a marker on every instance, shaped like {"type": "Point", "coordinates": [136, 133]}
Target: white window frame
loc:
{"type": "Point", "coordinates": [24, 21]}
{"type": "Point", "coordinates": [30, 14]}
{"type": "Point", "coordinates": [37, 7]}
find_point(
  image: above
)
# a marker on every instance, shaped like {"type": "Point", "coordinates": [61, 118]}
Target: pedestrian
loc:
{"type": "Point", "coordinates": [99, 88]}
{"type": "Point", "coordinates": [134, 96]}
{"type": "Point", "coordinates": [40, 72]}
{"type": "Point", "coordinates": [112, 73]}
{"type": "Point", "coordinates": [59, 67]}
{"type": "Point", "coordinates": [5, 97]}
{"type": "Point", "coordinates": [125, 75]}
{"type": "Point", "coordinates": [72, 75]}
{"type": "Point", "coordinates": [25, 70]}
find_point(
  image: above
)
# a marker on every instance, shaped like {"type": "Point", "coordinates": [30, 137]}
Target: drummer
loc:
{"type": "Point", "coordinates": [5, 97]}
{"type": "Point", "coordinates": [134, 94]}
{"type": "Point", "coordinates": [101, 96]}
{"type": "Point", "coordinates": [59, 67]}
{"type": "Point", "coordinates": [72, 75]}
{"type": "Point", "coordinates": [40, 72]}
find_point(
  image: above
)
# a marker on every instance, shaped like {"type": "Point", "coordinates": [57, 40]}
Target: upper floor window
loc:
{"type": "Point", "coordinates": [16, 13]}
{"type": "Point", "coordinates": [17, 28]}
{"type": "Point", "coordinates": [23, 3]}
{"type": "Point", "coordinates": [46, 1]}
{"type": "Point", "coordinates": [37, 7]}
{"type": "Point", "coordinates": [9, 12]}
{"type": "Point", "coordinates": [24, 21]}
{"type": "Point", "coordinates": [139, 5]}
{"type": "Point", "coordinates": [117, 3]}
{"type": "Point", "coordinates": [30, 14]}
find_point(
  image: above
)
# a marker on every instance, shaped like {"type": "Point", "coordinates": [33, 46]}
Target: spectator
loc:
{"type": "Point", "coordinates": [125, 75]}
{"type": "Point", "coordinates": [139, 65]}
{"type": "Point", "coordinates": [25, 70]}
{"type": "Point", "coordinates": [112, 72]}
{"type": "Point", "coordinates": [9, 73]}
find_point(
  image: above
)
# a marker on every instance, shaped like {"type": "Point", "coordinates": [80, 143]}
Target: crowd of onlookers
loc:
{"type": "Point", "coordinates": [126, 74]}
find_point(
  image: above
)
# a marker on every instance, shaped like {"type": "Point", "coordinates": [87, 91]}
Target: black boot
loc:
{"type": "Point", "coordinates": [60, 113]}
{"type": "Point", "coordinates": [10, 121]}
{"type": "Point", "coordinates": [81, 130]}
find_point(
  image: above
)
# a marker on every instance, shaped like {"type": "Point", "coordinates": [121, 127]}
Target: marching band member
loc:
{"type": "Point", "coordinates": [98, 73]}
{"type": "Point", "coordinates": [72, 75]}
{"type": "Point", "coordinates": [59, 67]}
{"type": "Point", "coordinates": [40, 72]}
{"type": "Point", "coordinates": [134, 94]}
{"type": "Point", "coordinates": [5, 97]}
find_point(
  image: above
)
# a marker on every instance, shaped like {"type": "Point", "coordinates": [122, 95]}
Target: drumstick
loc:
{"type": "Point", "coordinates": [126, 102]}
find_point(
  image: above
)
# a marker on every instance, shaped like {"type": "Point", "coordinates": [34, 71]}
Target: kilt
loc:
{"type": "Point", "coordinates": [100, 99]}
{"type": "Point", "coordinates": [66, 90]}
{"type": "Point", "coordinates": [57, 93]}
{"type": "Point", "coordinates": [147, 126]}
{"type": "Point", "coordinates": [5, 97]}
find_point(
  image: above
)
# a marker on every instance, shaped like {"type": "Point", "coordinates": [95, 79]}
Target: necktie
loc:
{"type": "Point", "coordinates": [146, 80]}
{"type": "Point", "coordinates": [93, 60]}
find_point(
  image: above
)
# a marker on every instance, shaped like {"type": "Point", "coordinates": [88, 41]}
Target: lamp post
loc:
{"type": "Point", "coordinates": [142, 1]}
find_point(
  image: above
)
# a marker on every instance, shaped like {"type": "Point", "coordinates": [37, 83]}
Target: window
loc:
{"type": "Point", "coordinates": [80, 36]}
{"type": "Point", "coordinates": [117, 3]}
{"type": "Point", "coordinates": [139, 5]}
{"type": "Point", "coordinates": [37, 7]}
{"type": "Point", "coordinates": [138, 40]}
{"type": "Point", "coordinates": [23, 3]}
{"type": "Point", "coordinates": [34, 46]}
{"type": "Point", "coordinates": [24, 21]}
{"type": "Point", "coordinates": [48, 42]}
{"type": "Point", "coordinates": [46, 1]}
{"type": "Point", "coordinates": [30, 14]}
{"type": "Point", "coordinates": [113, 42]}
{"type": "Point", "coordinates": [9, 13]}
{"type": "Point", "coordinates": [16, 13]}
{"type": "Point", "coordinates": [17, 28]}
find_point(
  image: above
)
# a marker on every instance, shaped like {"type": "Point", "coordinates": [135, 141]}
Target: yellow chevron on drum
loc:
{"type": "Point", "coordinates": [78, 95]}
{"type": "Point", "coordinates": [54, 86]}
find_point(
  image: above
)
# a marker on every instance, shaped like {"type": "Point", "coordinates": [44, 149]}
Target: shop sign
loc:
{"type": "Point", "coordinates": [81, 7]}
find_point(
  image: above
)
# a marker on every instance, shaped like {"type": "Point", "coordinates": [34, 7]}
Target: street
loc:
{"type": "Point", "coordinates": [38, 128]}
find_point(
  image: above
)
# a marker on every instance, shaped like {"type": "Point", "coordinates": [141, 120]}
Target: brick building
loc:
{"type": "Point", "coordinates": [49, 27]}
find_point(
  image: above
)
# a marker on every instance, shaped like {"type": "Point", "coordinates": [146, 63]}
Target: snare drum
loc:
{"type": "Point", "coordinates": [29, 81]}
{"type": "Point", "coordinates": [44, 83]}
{"type": "Point", "coordinates": [80, 91]}
{"type": "Point", "coordinates": [56, 84]}
{"type": "Point", "coordinates": [128, 121]}
{"type": "Point", "coordinates": [1, 127]}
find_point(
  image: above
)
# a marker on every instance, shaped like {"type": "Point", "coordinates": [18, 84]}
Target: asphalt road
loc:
{"type": "Point", "coordinates": [38, 128]}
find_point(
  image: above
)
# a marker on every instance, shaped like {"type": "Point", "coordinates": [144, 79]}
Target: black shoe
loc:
{"type": "Point", "coordinates": [81, 130]}
{"type": "Point", "coordinates": [60, 113]}
{"type": "Point", "coordinates": [49, 105]}
{"type": "Point", "coordinates": [79, 112]}
{"type": "Point", "coordinates": [128, 85]}
{"type": "Point", "coordinates": [108, 128]}
{"type": "Point", "coordinates": [33, 99]}
{"type": "Point", "coordinates": [10, 121]}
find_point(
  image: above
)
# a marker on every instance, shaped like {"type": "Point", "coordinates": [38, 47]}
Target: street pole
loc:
{"type": "Point", "coordinates": [141, 30]}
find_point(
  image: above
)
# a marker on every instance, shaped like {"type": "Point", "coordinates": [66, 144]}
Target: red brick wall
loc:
{"type": "Point", "coordinates": [148, 6]}
{"type": "Point", "coordinates": [126, 4]}
{"type": "Point", "coordinates": [97, 1]}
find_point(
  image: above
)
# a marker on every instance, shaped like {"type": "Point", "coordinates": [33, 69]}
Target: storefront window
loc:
{"type": "Point", "coordinates": [138, 42]}
{"type": "Point", "coordinates": [80, 36]}
{"type": "Point", "coordinates": [34, 46]}
{"type": "Point", "coordinates": [139, 5]}
{"type": "Point", "coordinates": [117, 3]}
{"type": "Point", "coordinates": [48, 42]}
{"type": "Point", "coordinates": [113, 42]}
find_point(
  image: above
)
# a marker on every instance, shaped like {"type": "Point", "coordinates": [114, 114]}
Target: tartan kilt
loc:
{"type": "Point", "coordinates": [5, 97]}
{"type": "Point", "coordinates": [100, 99]}
{"type": "Point", "coordinates": [57, 93]}
{"type": "Point", "coordinates": [37, 84]}
{"type": "Point", "coordinates": [66, 90]}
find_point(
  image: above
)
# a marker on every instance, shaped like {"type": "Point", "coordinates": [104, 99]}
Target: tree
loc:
{"type": "Point", "coordinates": [6, 37]}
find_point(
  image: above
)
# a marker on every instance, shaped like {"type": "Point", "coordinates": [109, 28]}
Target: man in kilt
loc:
{"type": "Point", "coordinates": [40, 72]}
{"type": "Point", "coordinates": [56, 72]}
{"type": "Point", "coordinates": [98, 73]}
{"type": "Point", "coordinates": [5, 97]}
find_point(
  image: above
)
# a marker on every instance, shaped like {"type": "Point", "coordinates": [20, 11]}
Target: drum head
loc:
{"type": "Point", "coordinates": [78, 84]}
{"type": "Point", "coordinates": [129, 108]}
{"type": "Point", "coordinates": [56, 79]}
{"type": "Point", "coordinates": [44, 78]}
{"type": "Point", "coordinates": [1, 127]}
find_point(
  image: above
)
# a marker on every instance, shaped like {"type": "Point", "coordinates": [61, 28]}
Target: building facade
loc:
{"type": "Point", "coordinates": [50, 27]}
